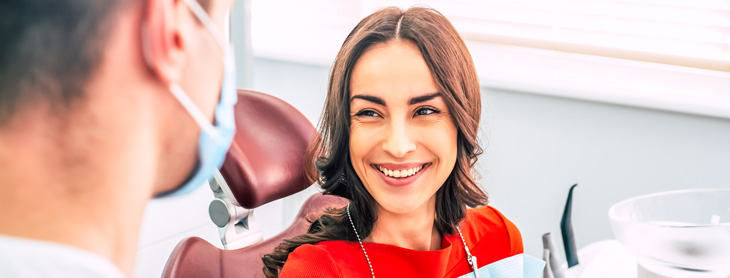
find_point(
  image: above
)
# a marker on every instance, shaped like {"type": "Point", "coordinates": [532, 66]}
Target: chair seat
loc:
{"type": "Point", "coordinates": [195, 257]}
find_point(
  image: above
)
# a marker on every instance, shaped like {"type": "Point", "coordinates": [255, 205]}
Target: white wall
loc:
{"type": "Point", "coordinates": [535, 148]}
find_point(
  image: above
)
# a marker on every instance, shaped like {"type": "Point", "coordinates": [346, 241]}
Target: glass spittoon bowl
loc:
{"type": "Point", "coordinates": [683, 233]}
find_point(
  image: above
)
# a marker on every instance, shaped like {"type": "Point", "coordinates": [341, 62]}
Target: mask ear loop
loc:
{"type": "Point", "coordinates": [178, 92]}
{"type": "Point", "coordinates": [205, 19]}
{"type": "Point", "coordinates": [200, 13]}
{"type": "Point", "coordinates": [185, 100]}
{"type": "Point", "coordinates": [197, 115]}
{"type": "Point", "coordinates": [227, 26]}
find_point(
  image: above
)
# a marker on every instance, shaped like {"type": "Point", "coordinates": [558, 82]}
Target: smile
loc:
{"type": "Point", "coordinates": [399, 173]}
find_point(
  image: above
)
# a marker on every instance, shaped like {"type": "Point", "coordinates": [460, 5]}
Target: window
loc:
{"type": "Point", "coordinates": [665, 54]}
{"type": "Point", "coordinates": [685, 33]}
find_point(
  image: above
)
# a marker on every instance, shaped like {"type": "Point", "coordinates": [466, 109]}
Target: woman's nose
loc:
{"type": "Point", "coordinates": [398, 141]}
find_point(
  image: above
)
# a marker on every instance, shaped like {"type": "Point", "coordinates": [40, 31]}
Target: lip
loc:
{"type": "Point", "coordinates": [400, 181]}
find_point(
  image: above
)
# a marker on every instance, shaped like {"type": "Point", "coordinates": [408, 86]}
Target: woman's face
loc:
{"type": "Point", "coordinates": [402, 138]}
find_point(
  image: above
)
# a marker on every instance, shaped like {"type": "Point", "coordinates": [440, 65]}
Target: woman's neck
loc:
{"type": "Point", "coordinates": [414, 230]}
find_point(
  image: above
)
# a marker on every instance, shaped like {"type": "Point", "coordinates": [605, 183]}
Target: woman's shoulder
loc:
{"type": "Point", "coordinates": [487, 223]}
{"type": "Point", "coordinates": [302, 261]}
{"type": "Point", "coordinates": [332, 258]}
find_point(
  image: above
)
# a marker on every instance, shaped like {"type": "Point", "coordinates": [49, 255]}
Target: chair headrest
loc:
{"type": "Point", "coordinates": [266, 157]}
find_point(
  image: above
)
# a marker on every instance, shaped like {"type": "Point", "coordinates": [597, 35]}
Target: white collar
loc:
{"type": "Point", "coordinates": [23, 257]}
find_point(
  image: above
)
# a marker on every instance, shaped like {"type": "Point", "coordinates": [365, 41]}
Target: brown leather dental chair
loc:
{"type": "Point", "coordinates": [265, 163]}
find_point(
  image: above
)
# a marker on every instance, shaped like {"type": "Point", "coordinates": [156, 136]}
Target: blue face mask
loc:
{"type": "Point", "coordinates": [215, 139]}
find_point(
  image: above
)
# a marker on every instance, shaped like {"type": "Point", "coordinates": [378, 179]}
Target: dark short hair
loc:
{"type": "Point", "coordinates": [49, 50]}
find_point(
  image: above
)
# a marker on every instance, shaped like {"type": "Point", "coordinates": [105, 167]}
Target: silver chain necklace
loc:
{"type": "Point", "coordinates": [471, 260]}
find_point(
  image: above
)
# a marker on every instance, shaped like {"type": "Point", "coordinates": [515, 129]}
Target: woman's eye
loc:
{"type": "Point", "coordinates": [426, 111]}
{"type": "Point", "coordinates": [367, 113]}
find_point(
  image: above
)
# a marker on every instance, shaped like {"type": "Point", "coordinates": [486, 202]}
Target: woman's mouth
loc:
{"type": "Point", "coordinates": [401, 175]}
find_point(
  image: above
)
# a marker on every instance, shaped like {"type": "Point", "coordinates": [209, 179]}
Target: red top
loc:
{"type": "Point", "coordinates": [489, 235]}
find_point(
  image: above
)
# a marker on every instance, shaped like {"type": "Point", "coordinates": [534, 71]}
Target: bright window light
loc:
{"type": "Point", "coordinates": [663, 54]}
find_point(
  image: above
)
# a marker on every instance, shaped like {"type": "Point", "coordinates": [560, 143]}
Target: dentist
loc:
{"type": "Point", "coordinates": [104, 104]}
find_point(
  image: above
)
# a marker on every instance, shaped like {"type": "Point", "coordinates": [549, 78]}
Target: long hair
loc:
{"type": "Point", "coordinates": [453, 71]}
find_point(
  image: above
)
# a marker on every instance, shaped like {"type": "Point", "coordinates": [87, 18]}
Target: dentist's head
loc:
{"type": "Point", "coordinates": [103, 105]}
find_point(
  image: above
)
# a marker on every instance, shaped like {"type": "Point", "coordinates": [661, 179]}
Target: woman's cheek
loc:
{"type": "Point", "coordinates": [441, 140]}
{"type": "Point", "coordinates": [359, 146]}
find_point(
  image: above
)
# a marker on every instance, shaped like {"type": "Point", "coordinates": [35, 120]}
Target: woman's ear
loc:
{"type": "Point", "coordinates": [162, 44]}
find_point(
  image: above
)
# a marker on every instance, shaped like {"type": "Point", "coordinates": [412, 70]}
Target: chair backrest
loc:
{"type": "Point", "coordinates": [265, 163]}
{"type": "Point", "coordinates": [266, 159]}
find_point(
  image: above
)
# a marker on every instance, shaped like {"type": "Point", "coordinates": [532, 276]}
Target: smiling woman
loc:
{"type": "Point", "coordinates": [399, 133]}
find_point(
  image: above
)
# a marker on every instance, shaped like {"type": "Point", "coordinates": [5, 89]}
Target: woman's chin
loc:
{"type": "Point", "coordinates": [400, 206]}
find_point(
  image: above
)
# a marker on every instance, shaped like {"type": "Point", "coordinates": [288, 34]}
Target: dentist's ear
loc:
{"type": "Point", "coordinates": [163, 45]}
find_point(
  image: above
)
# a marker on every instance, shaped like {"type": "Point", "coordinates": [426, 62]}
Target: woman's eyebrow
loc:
{"type": "Point", "coordinates": [369, 98]}
{"type": "Point", "coordinates": [412, 101]}
{"type": "Point", "coordinates": [424, 98]}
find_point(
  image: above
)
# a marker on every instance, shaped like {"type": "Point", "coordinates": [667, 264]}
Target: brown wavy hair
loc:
{"type": "Point", "coordinates": [453, 72]}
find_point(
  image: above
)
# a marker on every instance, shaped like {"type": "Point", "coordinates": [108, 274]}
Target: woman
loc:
{"type": "Point", "coordinates": [399, 140]}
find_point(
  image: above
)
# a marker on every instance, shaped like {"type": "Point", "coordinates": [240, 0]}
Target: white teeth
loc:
{"type": "Point", "coordinates": [400, 173]}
